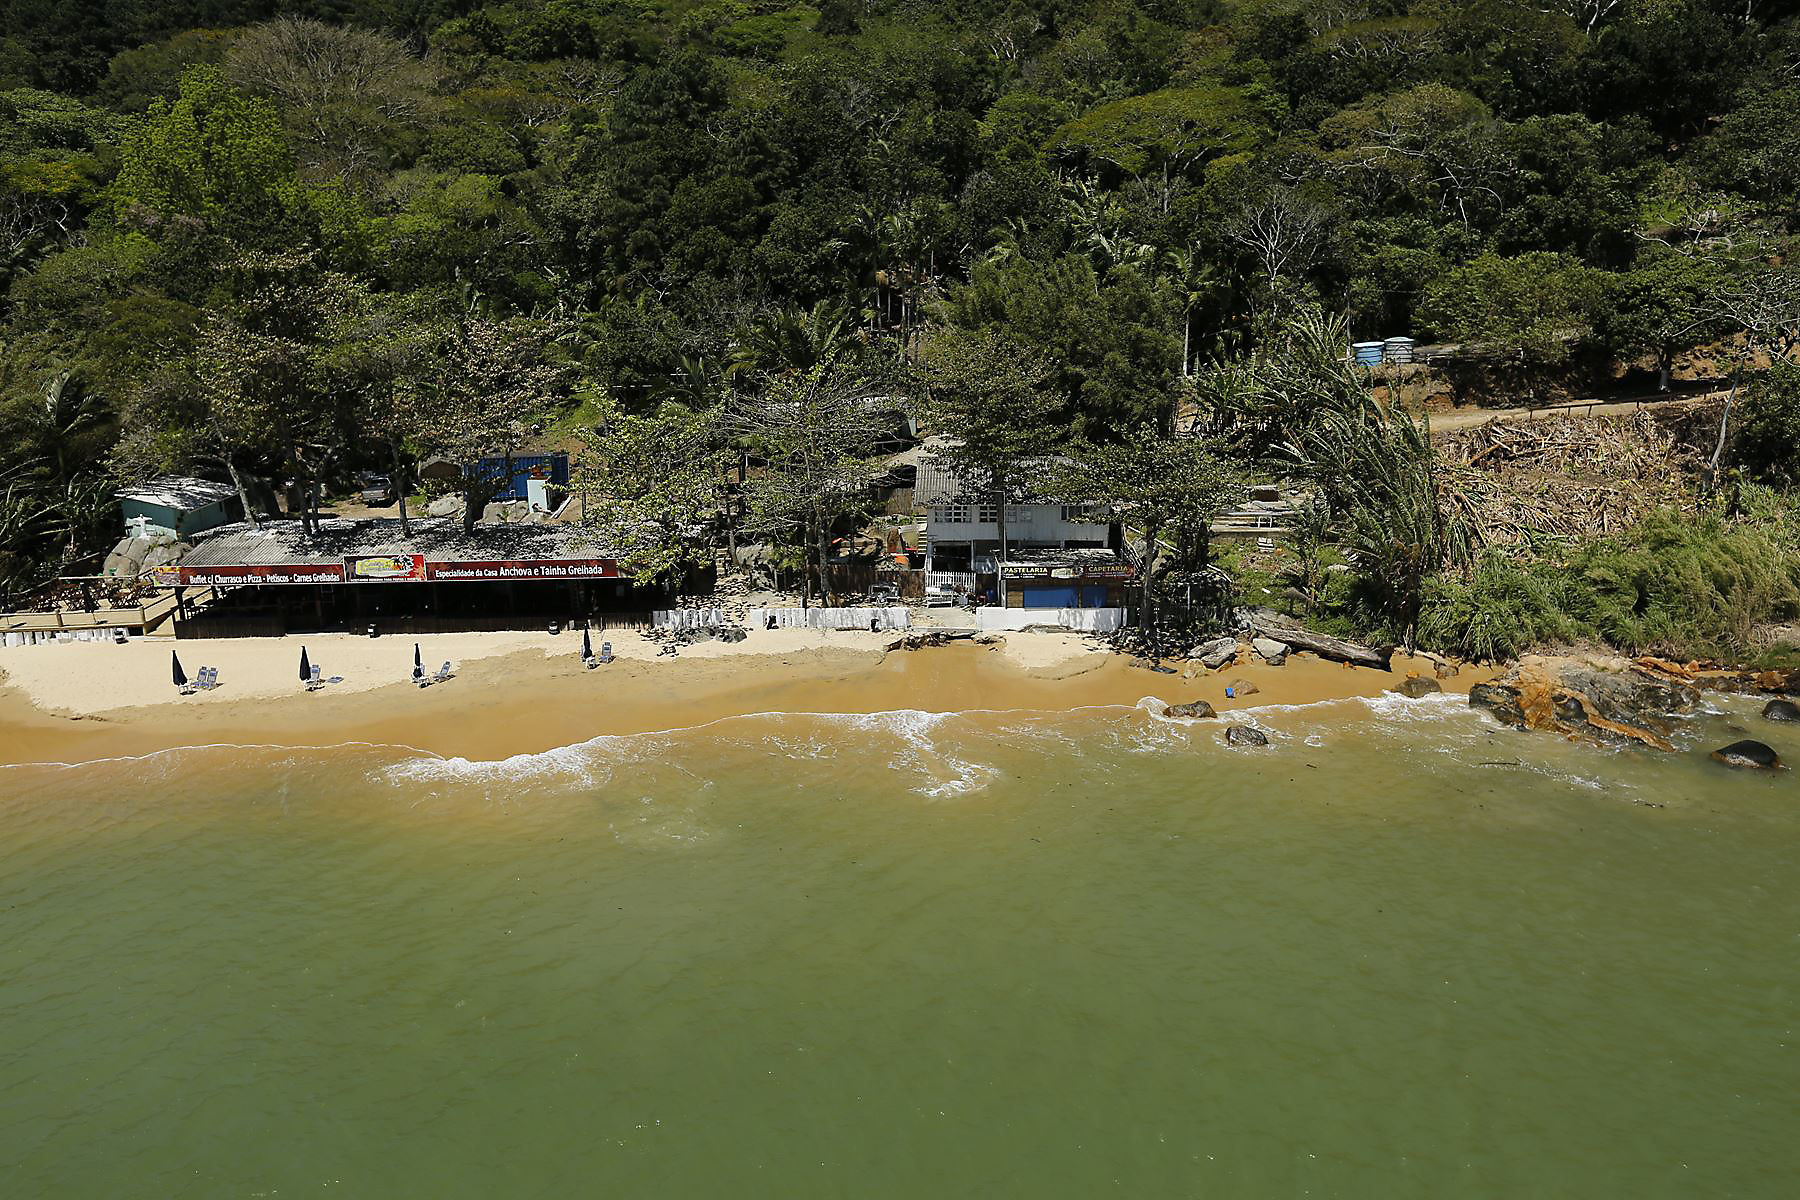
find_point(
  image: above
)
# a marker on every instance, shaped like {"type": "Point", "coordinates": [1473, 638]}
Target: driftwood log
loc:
{"type": "Point", "coordinates": [1275, 627]}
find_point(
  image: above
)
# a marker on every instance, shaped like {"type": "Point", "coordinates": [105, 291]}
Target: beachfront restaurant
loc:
{"type": "Point", "coordinates": [1076, 578]}
{"type": "Point", "coordinates": [354, 575]}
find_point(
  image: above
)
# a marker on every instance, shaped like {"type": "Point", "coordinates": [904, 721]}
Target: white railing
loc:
{"type": "Point", "coordinates": [1084, 620]}
{"type": "Point", "coordinates": [51, 638]}
{"type": "Point", "coordinates": [688, 618]}
{"type": "Point", "coordinates": [829, 618]}
{"type": "Point", "coordinates": [950, 581]}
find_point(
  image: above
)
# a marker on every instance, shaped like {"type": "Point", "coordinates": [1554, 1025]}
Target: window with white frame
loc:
{"type": "Point", "coordinates": [953, 514]}
{"type": "Point", "coordinates": [989, 514]}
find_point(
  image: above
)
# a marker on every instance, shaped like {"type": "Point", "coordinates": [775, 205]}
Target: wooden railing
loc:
{"type": "Point", "coordinates": [135, 616]}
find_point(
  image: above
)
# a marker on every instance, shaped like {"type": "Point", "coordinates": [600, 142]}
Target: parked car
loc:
{"type": "Point", "coordinates": [376, 490]}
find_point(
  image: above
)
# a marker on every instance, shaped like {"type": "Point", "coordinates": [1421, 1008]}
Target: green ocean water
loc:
{"type": "Point", "coordinates": [1400, 952]}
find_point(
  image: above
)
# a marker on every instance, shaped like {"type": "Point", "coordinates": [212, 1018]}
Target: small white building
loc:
{"type": "Point", "coordinates": [179, 504]}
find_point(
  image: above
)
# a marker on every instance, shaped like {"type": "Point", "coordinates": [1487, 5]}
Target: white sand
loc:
{"type": "Point", "coordinates": [1045, 650]}
{"type": "Point", "coordinates": [95, 677]}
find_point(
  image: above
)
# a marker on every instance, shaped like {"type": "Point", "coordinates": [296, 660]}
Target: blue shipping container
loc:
{"type": "Point", "coordinates": [554, 467]}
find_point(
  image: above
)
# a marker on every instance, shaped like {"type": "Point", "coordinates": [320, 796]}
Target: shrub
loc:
{"type": "Point", "coordinates": [1499, 611]}
{"type": "Point", "coordinates": [1677, 584]}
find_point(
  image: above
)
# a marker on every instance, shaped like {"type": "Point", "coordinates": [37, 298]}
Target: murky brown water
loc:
{"type": "Point", "coordinates": [1400, 952]}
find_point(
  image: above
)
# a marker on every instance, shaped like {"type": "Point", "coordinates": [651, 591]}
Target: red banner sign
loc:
{"type": "Point", "coordinates": [384, 568]}
{"type": "Point", "coordinates": [524, 569]}
{"type": "Point", "coordinates": [230, 576]}
{"type": "Point", "coordinates": [402, 568]}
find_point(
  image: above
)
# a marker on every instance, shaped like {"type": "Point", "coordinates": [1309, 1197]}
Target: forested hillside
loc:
{"type": "Point", "coordinates": [281, 240]}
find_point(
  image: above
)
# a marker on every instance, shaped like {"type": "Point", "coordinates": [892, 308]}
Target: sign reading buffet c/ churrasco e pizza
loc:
{"type": "Point", "coordinates": [401, 568]}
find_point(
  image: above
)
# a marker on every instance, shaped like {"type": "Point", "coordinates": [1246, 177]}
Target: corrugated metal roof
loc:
{"type": "Point", "coordinates": [183, 493]}
{"type": "Point", "coordinates": [439, 539]}
{"type": "Point", "coordinates": [939, 483]}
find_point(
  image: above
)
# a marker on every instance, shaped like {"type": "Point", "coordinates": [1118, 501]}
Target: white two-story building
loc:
{"type": "Point", "coordinates": [1058, 555]}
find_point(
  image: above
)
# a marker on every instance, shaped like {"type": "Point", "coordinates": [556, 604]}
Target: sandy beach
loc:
{"type": "Point", "coordinates": [526, 692]}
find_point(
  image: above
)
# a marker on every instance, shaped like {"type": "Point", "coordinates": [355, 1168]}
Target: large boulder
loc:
{"type": "Point", "coordinates": [445, 506]}
{"type": "Point", "coordinates": [1192, 709]}
{"type": "Point", "coordinates": [1612, 701]}
{"type": "Point", "coordinates": [1782, 710]}
{"type": "Point", "coordinates": [1240, 688]}
{"type": "Point", "coordinates": [1417, 686]}
{"type": "Point", "coordinates": [1273, 652]}
{"type": "Point", "coordinates": [1217, 652]}
{"type": "Point", "coordinates": [1748, 754]}
{"type": "Point", "coordinates": [1245, 735]}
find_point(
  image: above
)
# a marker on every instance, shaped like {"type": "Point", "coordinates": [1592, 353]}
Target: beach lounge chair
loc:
{"type": "Point", "coordinates": [443, 673]}
{"type": "Point", "coordinates": [317, 681]}
{"type": "Point", "coordinates": [606, 654]}
{"type": "Point", "coordinates": [207, 678]}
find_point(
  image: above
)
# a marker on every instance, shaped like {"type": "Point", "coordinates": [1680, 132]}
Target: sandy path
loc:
{"type": "Point", "coordinates": [1473, 418]}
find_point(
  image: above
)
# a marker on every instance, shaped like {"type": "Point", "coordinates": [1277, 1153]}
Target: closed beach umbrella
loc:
{"type": "Point", "coordinates": [305, 666]}
{"type": "Point", "coordinates": [180, 675]}
{"type": "Point", "coordinates": [418, 659]}
{"type": "Point", "coordinates": [587, 647]}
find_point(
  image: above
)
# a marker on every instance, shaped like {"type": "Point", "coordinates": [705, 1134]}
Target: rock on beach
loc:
{"type": "Point", "coordinates": [1216, 653]}
{"type": "Point", "coordinates": [1748, 754]}
{"type": "Point", "coordinates": [1273, 652]}
{"type": "Point", "coordinates": [1611, 702]}
{"type": "Point", "coordinates": [1245, 735]}
{"type": "Point", "coordinates": [1193, 708]}
{"type": "Point", "coordinates": [1782, 710]}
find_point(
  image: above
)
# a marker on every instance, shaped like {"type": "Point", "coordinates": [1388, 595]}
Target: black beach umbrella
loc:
{"type": "Point", "coordinates": [587, 647]}
{"type": "Point", "coordinates": [418, 659]}
{"type": "Point", "coordinates": [305, 666]}
{"type": "Point", "coordinates": [180, 675]}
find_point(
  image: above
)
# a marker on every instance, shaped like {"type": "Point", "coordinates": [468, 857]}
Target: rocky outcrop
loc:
{"type": "Point", "coordinates": [1749, 755]}
{"type": "Point", "coordinates": [1606, 701]}
{"type": "Point", "coordinates": [1244, 735]}
{"type": "Point", "coordinates": [1216, 653]}
{"type": "Point", "coordinates": [1273, 652]}
{"type": "Point", "coordinates": [1417, 686]}
{"type": "Point", "coordinates": [1193, 709]}
{"type": "Point", "coordinates": [1782, 710]}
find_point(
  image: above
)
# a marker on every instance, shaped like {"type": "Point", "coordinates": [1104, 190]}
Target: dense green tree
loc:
{"type": "Point", "coordinates": [1536, 305]}
{"type": "Point", "coordinates": [650, 485]}
{"type": "Point", "coordinates": [1162, 483]}
{"type": "Point", "coordinates": [211, 159]}
{"type": "Point", "coordinates": [492, 389]}
{"type": "Point", "coordinates": [1112, 343]}
{"type": "Point", "coordinates": [992, 399]}
{"type": "Point", "coordinates": [1766, 442]}
{"type": "Point", "coordinates": [1138, 191]}
{"type": "Point", "coordinates": [1661, 307]}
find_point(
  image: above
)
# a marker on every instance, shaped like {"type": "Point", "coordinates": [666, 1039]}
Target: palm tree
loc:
{"type": "Point", "coordinates": [790, 341]}
{"type": "Point", "coordinates": [1198, 283]}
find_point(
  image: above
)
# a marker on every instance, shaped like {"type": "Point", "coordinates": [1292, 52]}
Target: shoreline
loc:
{"type": "Point", "coordinates": [525, 693]}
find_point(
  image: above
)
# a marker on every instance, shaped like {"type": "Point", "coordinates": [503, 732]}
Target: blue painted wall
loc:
{"type": "Point", "coordinates": [554, 467]}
